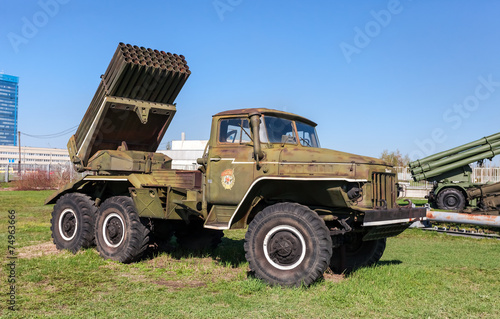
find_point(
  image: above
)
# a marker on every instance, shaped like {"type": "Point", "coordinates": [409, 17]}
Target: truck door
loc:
{"type": "Point", "coordinates": [231, 166]}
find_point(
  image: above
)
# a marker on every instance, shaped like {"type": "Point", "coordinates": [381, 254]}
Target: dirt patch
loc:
{"type": "Point", "coordinates": [178, 284]}
{"type": "Point", "coordinates": [331, 277]}
{"type": "Point", "coordinates": [166, 261]}
{"type": "Point", "coordinates": [39, 250]}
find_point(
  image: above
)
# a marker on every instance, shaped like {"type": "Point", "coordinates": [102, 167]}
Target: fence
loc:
{"type": "Point", "coordinates": [12, 172]}
{"type": "Point", "coordinates": [486, 174]}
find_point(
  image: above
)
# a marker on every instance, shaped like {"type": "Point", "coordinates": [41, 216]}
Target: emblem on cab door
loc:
{"type": "Point", "coordinates": [227, 178]}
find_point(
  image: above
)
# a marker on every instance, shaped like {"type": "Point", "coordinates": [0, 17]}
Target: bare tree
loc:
{"type": "Point", "coordinates": [395, 158]}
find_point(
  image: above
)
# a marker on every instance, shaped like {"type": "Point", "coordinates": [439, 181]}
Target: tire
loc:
{"type": "Point", "coordinates": [72, 222]}
{"type": "Point", "coordinates": [451, 199]}
{"type": "Point", "coordinates": [358, 254]}
{"type": "Point", "coordinates": [288, 244]}
{"type": "Point", "coordinates": [195, 237]}
{"type": "Point", "coordinates": [120, 234]}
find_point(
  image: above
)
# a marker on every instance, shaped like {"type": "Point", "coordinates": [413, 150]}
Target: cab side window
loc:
{"type": "Point", "coordinates": [235, 130]}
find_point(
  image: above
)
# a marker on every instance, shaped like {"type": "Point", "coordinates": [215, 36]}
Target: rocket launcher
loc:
{"type": "Point", "coordinates": [130, 111]}
{"type": "Point", "coordinates": [444, 162]}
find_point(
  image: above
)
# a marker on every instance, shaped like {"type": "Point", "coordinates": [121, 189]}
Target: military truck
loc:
{"type": "Point", "coordinates": [306, 208]}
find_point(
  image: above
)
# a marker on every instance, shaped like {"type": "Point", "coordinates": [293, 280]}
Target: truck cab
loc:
{"type": "Point", "coordinates": [272, 156]}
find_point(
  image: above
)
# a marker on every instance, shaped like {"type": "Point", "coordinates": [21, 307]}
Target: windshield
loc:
{"type": "Point", "coordinates": [234, 130]}
{"type": "Point", "coordinates": [284, 131]}
{"type": "Point", "coordinates": [307, 134]}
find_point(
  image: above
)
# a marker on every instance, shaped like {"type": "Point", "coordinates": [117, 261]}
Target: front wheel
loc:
{"type": "Point", "coordinates": [358, 253]}
{"type": "Point", "coordinates": [451, 199]}
{"type": "Point", "coordinates": [120, 234]}
{"type": "Point", "coordinates": [288, 244]}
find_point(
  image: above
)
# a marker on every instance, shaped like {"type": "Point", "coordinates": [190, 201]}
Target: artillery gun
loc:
{"type": "Point", "coordinates": [306, 208]}
{"type": "Point", "coordinates": [453, 188]}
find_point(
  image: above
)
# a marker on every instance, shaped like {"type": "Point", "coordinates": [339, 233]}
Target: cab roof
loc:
{"type": "Point", "coordinates": [264, 111]}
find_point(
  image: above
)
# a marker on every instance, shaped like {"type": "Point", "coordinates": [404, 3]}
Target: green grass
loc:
{"type": "Point", "coordinates": [416, 201]}
{"type": "Point", "coordinates": [421, 275]}
{"type": "Point", "coordinates": [5, 185]}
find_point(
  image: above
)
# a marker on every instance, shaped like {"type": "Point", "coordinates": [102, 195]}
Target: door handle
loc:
{"type": "Point", "coordinates": [216, 158]}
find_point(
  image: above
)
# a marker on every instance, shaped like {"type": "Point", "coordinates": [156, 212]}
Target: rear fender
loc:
{"type": "Point", "coordinates": [83, 186]}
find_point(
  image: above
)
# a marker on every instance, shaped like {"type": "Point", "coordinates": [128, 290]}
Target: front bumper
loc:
{"type": "Point", "coordinates": [383, 223]}
{"type": "Point", "coordinates": [399, 215]}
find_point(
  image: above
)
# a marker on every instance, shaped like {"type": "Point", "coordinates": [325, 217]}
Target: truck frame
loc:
{"type": "Point", "coordinates": [306, 208]}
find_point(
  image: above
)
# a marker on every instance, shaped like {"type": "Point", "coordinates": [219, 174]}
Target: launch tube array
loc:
{"type": "Point", "coordinates": [136, 73]}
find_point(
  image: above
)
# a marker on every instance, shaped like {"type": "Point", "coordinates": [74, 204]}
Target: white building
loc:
{"type": "Point", "coordinates": [184, 153]}
{"type": "Point", "coordinates": [9, 155]}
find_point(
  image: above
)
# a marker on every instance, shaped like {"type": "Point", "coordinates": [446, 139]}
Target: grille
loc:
{"type": "Point", "coordinates": [384, 190]}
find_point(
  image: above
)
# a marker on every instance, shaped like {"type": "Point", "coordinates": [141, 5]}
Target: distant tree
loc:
{"type": "Point", "coordinates": [395, 158]}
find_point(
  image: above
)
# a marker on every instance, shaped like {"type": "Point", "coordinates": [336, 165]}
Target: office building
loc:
{"type": "Point", "coordinates": [8, 109]}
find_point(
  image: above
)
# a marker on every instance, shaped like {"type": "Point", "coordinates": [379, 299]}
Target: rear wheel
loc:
{"type": "Point", "coordinates": [358, 253]}
{"type": "Point", "coordinates": [288, 244]}
{"type": "Point", "coordinates": [120, 234]}
{"type": "Point", "coordinates": [451, 199]}
{"type": "Point", "coordinates": [72, 222]}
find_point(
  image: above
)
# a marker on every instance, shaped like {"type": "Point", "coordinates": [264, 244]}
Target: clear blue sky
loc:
{"type": "Point", "coordinates": [418, 76]}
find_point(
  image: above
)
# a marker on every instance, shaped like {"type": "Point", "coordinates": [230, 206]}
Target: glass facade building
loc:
{"type": "Point", "coordinates": [8, 109]}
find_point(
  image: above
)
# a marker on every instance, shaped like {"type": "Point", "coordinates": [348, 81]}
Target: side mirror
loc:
{"type": "Point", "coordinates": [255, 124]}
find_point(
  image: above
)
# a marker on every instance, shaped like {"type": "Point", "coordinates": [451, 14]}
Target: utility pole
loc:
{"type": "Point", "coordinates": [19, 142]}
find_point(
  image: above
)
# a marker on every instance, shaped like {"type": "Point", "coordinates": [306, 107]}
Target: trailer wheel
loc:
{"type": "Point", "coordinates": [288, 244]}
{"type": "Point", "coordinates": [358, 253]}
{"type": "Point", "coordinates": [451, 199]}
{"type": "Point", "coordinates": [120, 234]}
{"type": "Point", "coordinates": [195, 237]}
{"type": "Point", "coordinates": [72, 222]}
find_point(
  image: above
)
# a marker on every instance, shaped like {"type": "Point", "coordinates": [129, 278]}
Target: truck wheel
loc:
{"type": "Point", "coordinates": [195, 237]}
{"type": "Point", "coordinates": [288, 244]}
{"type": "Point", "coordinates": [358, 253]}
{"type": "Point", "coordinates": [72, 222]}
{"type": "Point", "coordinates": [451, 199]}
{"type": "Point", "coordinates": [120, 234]}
